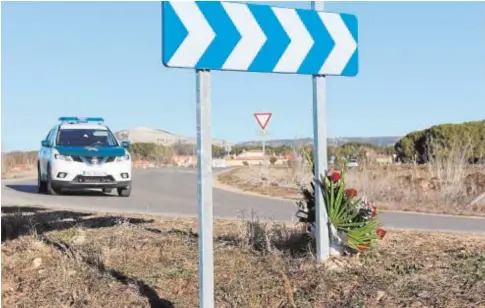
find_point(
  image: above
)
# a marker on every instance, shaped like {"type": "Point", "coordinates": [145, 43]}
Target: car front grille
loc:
{"type": "Point", "coordinates": [93, 179]}
{"type": "Point", "coordinates": [96, 160]}
{"type": "Point", "coordinates": [78, 159]}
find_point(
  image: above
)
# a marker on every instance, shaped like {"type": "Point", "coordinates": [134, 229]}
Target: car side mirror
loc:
{"type": "Point", "coordinates": [45, 143]}
{"type": "Point", "coordinates": [125, 144]}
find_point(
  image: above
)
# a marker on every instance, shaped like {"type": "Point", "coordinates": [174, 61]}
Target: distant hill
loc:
{"type": "Point", "coordinates": [377, 141]}
{"type": "Point", "coordinates": [152, 135]}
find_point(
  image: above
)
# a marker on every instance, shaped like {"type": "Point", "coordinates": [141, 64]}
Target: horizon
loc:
{"type": "Point", "coordinates": [104, 59]}
{"type": "Point", "coordinates": [239, 143]}
{"type": "Point", "coordinates": [267, 140]}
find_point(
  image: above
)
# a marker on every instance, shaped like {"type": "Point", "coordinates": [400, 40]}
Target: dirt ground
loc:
{"type": "Point", "coordinates": [401, 188]}
{"type": "Point", "coordinates": [277, 182]}
{"type": "Point", "coordinates": [61, 258]}
{"type": "Point", "coordinates": [17, 174]}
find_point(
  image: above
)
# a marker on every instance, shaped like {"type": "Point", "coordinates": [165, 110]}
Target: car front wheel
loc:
{"type": "Point", "coordinates": [41, 184]}
{"type": "Point", "coordinates": [51, 190]}
{"type": "Point", "coordinates": [124, 192]}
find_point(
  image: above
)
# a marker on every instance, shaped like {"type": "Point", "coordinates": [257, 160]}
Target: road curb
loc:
{"type": "Point", "coordinates": [217, 184]}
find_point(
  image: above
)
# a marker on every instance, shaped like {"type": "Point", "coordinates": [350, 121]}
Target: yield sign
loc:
{"type": "Point", "coordinates": [263, 118]}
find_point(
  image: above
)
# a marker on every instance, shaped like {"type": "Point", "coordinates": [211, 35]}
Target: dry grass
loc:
{"type": "Point", "coordinates": [14, 164]}
{"type": "Point", "coordinates": [447, 187]}
{"type": "Point", "coordinates": [428, 188]}
{"type": "Point", "coordinates": [59, 259]}
{"type": "Point", "coordinates": [448, 184]}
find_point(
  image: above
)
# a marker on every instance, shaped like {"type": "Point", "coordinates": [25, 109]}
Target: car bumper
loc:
{"type": "Point", "coordinates": [69, 172]}
{"type": "Point", "coordinates": [75, 184]}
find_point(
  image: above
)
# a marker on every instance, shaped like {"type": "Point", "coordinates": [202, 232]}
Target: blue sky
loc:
{"type": "Point", "coordinates": [420, 64]}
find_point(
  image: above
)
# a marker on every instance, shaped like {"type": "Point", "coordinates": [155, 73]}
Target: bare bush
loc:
{"type": "Point", "coordinates": [442, 185]}
{"type": "Point", "coordinates": [163, 155]}
{"type": "Point", "coordinates": [453, 181]}
{"type": "Point", "coordinates": [181, 148]}
{"type": "Point", "coordinates": [17, 160]}
{"type": "Point", "coordinates": [299, 171]}
{"type": "Point", "coordinates": [7, 163]}
{"type": "Point", "coordinates": [267, 236]}
{"type": "Point", "coordinates": [449, 168]}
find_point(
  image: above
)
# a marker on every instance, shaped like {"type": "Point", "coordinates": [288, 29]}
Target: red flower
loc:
{"type": "Point", "coordinates": [381, 232]}
{"type": "Point", "coordinates": [374, 211]}
{"type": "Point", "coordinates": [335, 177]}
{"type": "Point", "coordinates": [351, 193]}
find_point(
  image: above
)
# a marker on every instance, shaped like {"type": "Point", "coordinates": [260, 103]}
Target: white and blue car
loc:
{"type": "Point", "coordinates": [83, 153]}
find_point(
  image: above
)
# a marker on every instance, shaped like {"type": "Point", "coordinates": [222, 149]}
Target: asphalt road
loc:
{"type": "Point", "coordinates": [174, 192]}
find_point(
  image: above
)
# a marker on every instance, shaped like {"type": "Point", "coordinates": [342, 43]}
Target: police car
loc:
{"type": "Point", "coordinates": [83, 153]}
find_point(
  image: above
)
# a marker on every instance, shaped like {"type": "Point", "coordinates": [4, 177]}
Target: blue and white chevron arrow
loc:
{"type": "Point", "coordinates": [258, 38]}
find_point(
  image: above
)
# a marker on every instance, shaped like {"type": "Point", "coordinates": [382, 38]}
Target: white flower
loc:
{"type": "Point", "coordinates": [364, 208]}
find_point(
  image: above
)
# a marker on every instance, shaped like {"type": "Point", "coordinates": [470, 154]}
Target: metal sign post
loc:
{"type": "Point", "coordinates": [228, 36]}
{"type": "Point", "coordinates": [263, 148]}
{"type": "Point", "coordinates": [320, 159]}
{"type": "Point", "coordinates": [204, 188]}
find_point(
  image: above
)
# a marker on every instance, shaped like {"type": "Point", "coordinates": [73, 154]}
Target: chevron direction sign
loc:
{"type": "Point", "coordinates": [215, 35]}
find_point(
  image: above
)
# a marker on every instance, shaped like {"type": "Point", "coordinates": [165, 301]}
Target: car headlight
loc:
{"type": "Point", "coordinates": [63, 157]}
{"type": "Point", "coordinates": [122, 158]}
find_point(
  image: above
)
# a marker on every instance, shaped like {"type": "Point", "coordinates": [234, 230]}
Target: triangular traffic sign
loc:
{"type": "Point", "coordinates": [262, 118]}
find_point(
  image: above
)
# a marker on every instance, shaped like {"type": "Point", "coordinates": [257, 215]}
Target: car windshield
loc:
{"type": "Point", "coordinates": [86, 137]}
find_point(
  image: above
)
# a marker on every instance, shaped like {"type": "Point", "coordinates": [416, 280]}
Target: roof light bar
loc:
{"type": "Point", "coordinates": [74, 120]}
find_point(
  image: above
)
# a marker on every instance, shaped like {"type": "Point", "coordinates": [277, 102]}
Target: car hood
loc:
{"type": "Point", "coordinates": [90, 151]}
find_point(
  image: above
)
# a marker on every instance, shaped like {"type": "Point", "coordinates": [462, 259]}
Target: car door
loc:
{"type": "Point", "coordinates": [45, 153]}
{"type": "Point", "coordinates": [52, 142]}
{"type": "Point", "coordinates": [42, 155]}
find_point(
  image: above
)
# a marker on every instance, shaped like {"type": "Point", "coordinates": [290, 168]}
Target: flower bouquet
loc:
{"type": "Point", "coordinates": [353, 224]}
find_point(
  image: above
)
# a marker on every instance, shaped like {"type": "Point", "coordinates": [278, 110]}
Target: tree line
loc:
{"type": "Point", "coordinates": [466, 139]}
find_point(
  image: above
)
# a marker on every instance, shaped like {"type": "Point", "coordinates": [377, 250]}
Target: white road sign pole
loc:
{"type": "Point", "coordinates": [263, 144]}
{"type": "Point", "coordinates": [204, 189]}
{"type": "Point", "coordinates": [263, 119]}
{"type": "Point", "coordinates": [320, 158]}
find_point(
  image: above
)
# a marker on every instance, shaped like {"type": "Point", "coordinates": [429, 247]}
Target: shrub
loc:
{"type": "Point", "coordinates": [423, 146]}
{"type": "Point", "coordinates": [353, 223]}
{"type": "Point", "coordinates": [273, 160]}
